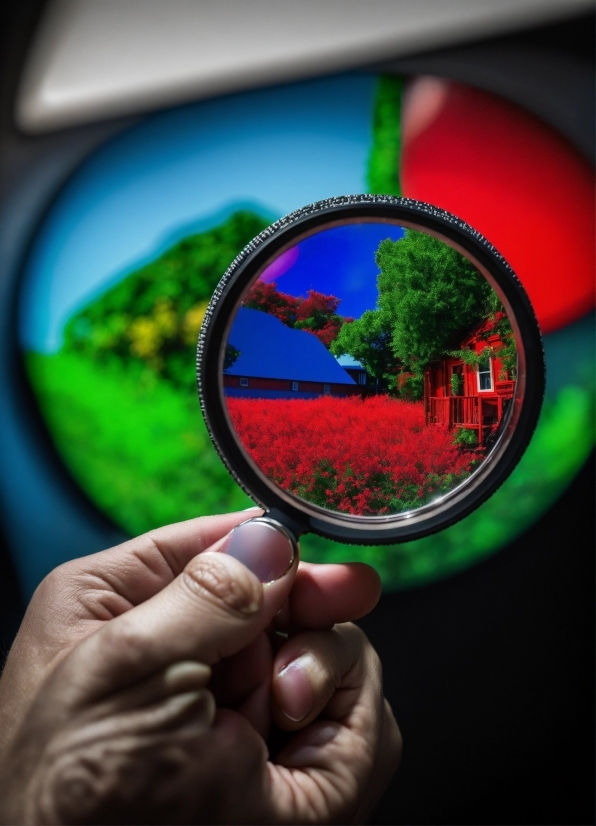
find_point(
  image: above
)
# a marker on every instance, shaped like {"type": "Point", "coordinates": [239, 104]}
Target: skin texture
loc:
{"type": "Point", "coordinates": [161, 682]}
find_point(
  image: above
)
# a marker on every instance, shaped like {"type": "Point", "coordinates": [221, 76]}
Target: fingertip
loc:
{"type": "Point", "coordinates": [367, 578]}
{"type": "Point", "coordinates": [263, 546]}
{"type": "Point", "coordinates": [327, 594]}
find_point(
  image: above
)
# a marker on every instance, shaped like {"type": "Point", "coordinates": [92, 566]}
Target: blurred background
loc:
{"type": "Point", "coordinates": [143, 144]}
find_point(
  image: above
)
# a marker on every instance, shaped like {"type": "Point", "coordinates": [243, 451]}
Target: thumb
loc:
{"type": "Point", "coordinates": [223, 599]}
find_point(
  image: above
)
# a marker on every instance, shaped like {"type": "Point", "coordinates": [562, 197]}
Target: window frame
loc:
{"type": "Point", "coordinates": [490, 389]}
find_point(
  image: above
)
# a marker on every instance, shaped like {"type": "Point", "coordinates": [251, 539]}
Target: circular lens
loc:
{"type": "Point", "coordinates": [367, 369]}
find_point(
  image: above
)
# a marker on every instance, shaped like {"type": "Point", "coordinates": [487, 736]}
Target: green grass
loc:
{"type": "Point", "coordinates": [140, 450]}
{"type": "Point", "coordinates": [137, 446]}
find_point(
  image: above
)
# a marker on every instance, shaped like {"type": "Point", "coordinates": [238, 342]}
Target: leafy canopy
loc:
{"type": "Point", "coordinates": [154, 314]}
{"type": "Point", "coordinates": [430, 298]}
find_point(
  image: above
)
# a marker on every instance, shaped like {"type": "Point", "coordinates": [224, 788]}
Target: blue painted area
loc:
{"type": "Point", "coordinates": [570, 356]}
{"type": "Point", "coordinates": [270, 350]}
{"type": "Point", "coordinates": [349, 363]}
{"type": "Point", "coordinates": [341, 261]}
{"type": "Point", "coordinates": [185, 170]}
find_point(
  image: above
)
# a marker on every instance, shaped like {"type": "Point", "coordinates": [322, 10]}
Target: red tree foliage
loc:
{"type": "Point", "coordinates": [369, 457]}
{"type": "Point", "coordinates": [268, 299]}
{"type": "Point", "coordinates": [317, 313]}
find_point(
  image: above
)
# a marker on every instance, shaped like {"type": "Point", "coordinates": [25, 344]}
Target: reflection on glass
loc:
{"type": "Point", "coordinates": [369, 369]}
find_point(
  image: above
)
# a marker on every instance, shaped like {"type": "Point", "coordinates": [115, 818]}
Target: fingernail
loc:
{"type": "Point", "coordinates": [293, 690]}
{"type": "Point", "coordinates": [266, 550]}
{"type": "Point", "coordinates": [201, 703]}
{"type": "Point", "coordinates": [186, 675]}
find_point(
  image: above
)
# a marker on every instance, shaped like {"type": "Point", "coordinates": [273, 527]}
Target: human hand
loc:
{"type": "Point", "coordinates": [106, 717]}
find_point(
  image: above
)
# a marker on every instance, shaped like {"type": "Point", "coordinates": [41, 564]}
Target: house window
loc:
{"type": "Point", "coordinates": [294, 385]}
{"type": "Point", "coordinates": [362, 378]}
{"type": "Point", "coordinates": [243, 382]}
{"type": "Point", "coordinates": [327, 389]}
{"type": "Point", "coordinates": [485, 376]}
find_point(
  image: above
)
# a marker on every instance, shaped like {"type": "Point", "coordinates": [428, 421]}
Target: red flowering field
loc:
{"type": "Point", "coordinates": [368, 457]}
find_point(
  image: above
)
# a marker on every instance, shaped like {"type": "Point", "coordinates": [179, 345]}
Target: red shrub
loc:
{"type": "Point", "coordinates": [316, 314]}
{"type": "Point", "coordinates": [362, 457]}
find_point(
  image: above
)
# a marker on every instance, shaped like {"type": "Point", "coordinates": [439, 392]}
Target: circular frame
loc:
{"type": "Point", "coordinates": [299, 515]}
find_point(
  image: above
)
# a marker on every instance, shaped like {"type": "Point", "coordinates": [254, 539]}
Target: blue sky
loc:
{"type": "Point", "coordinates": [187, 169]}
{"type": "Point", "coordinates": [340, 261]}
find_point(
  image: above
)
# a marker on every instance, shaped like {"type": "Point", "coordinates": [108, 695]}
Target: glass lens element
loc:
{"type": "Point", "coordinates": [369, 369]}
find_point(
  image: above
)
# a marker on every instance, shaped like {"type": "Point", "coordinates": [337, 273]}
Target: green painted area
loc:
{"type": "Point", "coordinates": [382, 176]}
{"type": "Point", "coordinates": [138, 447]}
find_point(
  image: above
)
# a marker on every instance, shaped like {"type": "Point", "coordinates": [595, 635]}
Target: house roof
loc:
{"type": "Point", "coordinates": [270, 350]}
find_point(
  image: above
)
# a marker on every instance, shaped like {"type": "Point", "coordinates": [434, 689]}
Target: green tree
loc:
{"type": "Point", "coordinates": [431, 295]}
{"type": "Point", "coordinates": [153, 315]}
{"type": "Point", "coordinates": [430, 298]}
{"type": "Point", "coordinates": [368, 340]}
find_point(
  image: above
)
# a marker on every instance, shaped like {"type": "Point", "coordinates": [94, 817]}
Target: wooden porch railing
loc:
{"type": "Point", "coordinates": [453, 410]}
{"type": "Point", "coordinates": [465, 411]}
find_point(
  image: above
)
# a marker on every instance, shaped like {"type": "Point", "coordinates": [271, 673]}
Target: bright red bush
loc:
{"type": "Point", "coordinates": [369, 457]}
{"type": "Point", "coordinates": [316, 314]}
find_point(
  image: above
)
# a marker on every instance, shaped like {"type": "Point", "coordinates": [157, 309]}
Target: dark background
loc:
{"type": "Point", "coordinates": [491, 672]}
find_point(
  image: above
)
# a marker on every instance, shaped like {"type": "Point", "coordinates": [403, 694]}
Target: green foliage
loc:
{"type": "Point", "coordinates": [230, 356]}
{"type": "Point", "coordinates": [456, 382]}
{"type": "Point", "coordinates": [430, 297]}
{"type": "Point", "coordinates": [508, 351]}
{"type": "Point", "coordinates": [153, 315]}
{"type": "Point", "coordinates": [383, 162]}
{"type": "Point", "coordinates": [410, 386]}
{"type": "Point", "coordinates": [471, 357]}
{"type": "Point", "coordinates": [368, 341]}
{"type": "Point", "coordinates": [466, 438]}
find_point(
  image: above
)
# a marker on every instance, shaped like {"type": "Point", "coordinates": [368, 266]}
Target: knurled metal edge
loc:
{"type": "Point", "coordinates": [306, 212]}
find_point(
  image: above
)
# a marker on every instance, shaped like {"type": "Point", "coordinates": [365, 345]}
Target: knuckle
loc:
{"type": "Point", "coordinates": [54, 582]}
{"type": "Point", "coordinates": [359, 645]}
{"type": "Point", "coordinates": [126, 638]}
{"type": "Point", "coordinates": [212, 577]}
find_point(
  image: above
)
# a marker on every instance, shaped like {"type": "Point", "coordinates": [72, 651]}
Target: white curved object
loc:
{"type": "Point", "coordinates": [95, 59]}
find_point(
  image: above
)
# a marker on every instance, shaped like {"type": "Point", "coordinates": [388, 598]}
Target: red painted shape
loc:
{"type": "Point", "coordinates": [512, 178]}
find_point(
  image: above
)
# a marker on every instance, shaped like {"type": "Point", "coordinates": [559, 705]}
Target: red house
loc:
{"type": "Point", "coordinates": [469, 396]}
